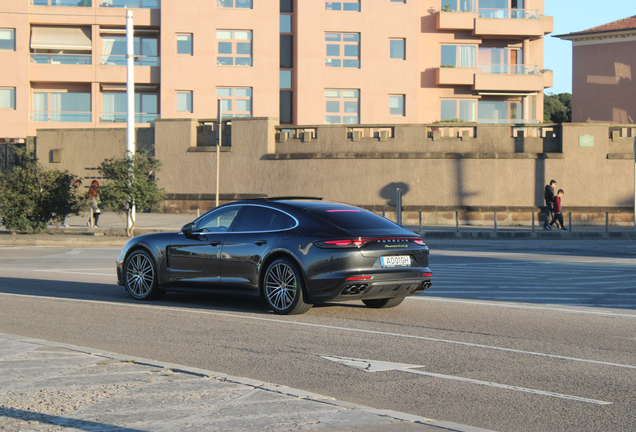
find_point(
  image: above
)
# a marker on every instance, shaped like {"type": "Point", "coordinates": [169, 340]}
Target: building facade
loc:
{"type": "Point", "coordinates": [305, 62]}
{"type": "Point", "coordinates": [602, 63]}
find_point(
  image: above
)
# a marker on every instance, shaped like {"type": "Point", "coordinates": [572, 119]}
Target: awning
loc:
{"type": "Point", "coordinates": [61, 38]}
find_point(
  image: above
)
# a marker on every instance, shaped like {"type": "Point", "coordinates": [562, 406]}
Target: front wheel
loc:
{"type": "Point", "coordinates": [383, 303]}
{"type": "Point", "coordinates": [283, 288]}
{"type": "Point", "coordinates": [140, 275]}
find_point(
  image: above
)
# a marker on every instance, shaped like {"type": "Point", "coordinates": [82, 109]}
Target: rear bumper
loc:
{"type": "Point", "coordinates": [372, 289]}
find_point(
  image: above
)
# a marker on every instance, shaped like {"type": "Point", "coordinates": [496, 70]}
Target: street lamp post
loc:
{"type": "Point", "coordinates": [130, 94]}
{"type": "Point", "coordinates": [219, 140]}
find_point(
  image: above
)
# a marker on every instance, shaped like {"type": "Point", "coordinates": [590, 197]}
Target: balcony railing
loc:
{"type": "Point", "coordinates": [509, 13]}
{"type": "Point", "coordinates": [142, 4]}
{"type": "Point", "coordinates": [61, 116]}
{"type": "Point", "coordinates": [67, 3]}
{"type": "Point", "coordinates": [120, 117]}
{"type": "Point", "coordinates": [65, 59]}
{"type": "Point", "coordinates": [513, 69]}
{"type": "Point", "coordinates": [120, 60]}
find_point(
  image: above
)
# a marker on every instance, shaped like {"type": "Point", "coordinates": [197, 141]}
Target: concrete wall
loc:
{"type": "Point", "coordinates": [487, 167]}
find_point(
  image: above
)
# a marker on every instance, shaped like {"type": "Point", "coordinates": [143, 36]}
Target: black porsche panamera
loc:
{"type": "Point", "coordinates": [293, 252]}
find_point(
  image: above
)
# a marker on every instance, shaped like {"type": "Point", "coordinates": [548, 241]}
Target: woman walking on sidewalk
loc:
{"type": "Point", "coordinates": [93, 194]}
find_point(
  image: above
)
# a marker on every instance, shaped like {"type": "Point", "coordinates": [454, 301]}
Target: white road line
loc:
{"type": "Point", "coordinates": [506, 387]}
{"type": "Point", "coordinates": [344, 329]}
{"type": "Point", "coordinates": [75, 252]}
{"type": "Point", "coordinates": [79, 272]}
{"type": "Point", "coordinates": [519, 306]}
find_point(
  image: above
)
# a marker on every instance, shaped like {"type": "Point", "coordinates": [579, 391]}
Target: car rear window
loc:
{"type": "Point", "coordinates": [352, 218]}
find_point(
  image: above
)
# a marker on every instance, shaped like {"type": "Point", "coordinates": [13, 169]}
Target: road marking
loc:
{"type": "Point", "coordinates": [75, 252]}
{"type": "Point", "coordinates": [344, 329]}
{"type": "Point", "coordinates": [79, 272]}
{"type": "Point", "coordinates": [519, 306]}
{"type": "Point", "coordinates": [377, 366]}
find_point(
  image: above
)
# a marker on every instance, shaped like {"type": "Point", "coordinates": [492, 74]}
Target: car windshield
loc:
{"type": "Point", "coordinates": [352, 218]}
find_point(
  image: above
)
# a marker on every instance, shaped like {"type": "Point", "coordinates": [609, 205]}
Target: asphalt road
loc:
{"type": "Point", "coordinates": [508, 341]}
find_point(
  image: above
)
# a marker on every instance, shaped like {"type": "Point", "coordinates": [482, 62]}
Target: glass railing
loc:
{"type": "Point", "coordinates": [120, 117]}
{"type": "Point", "coordinates": [508, 69]}
{"type": "Point", "coordinates": [67, 3]}
{"type": "Point", "coordinates": [61, 116]}
{"type": "Point", "coordinates": [509, 13]}
{"type": "Point", "coordinates": [120, 60]}
{"type": "Point", "coordinates": [507, 121]}
{"type": "Point", "coordinates": [141, 4]}
{"type": "Point", "coordinates": [66, 59]}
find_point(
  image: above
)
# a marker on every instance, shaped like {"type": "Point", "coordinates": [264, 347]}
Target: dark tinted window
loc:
{"type": "Point", "coordinates": [286, 51]}
{"type": "Point", "coordinates": [286, 6]}
{"type": "Point", "coordinates": [286, 107]}
{"type": "Point", "coordinates": [219, 220]}
{"type": "Point", "coordinates": [353, 218]}
{"type": "Point", "coordinates": [263, 219]}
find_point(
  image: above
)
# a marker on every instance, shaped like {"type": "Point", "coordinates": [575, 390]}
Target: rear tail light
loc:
{"type": "Point", "coordinates": [427, 274]}
{"type": "Point", "coordinates": [359, 278]}
{"type": "Point", "coordinates": [360, 242]}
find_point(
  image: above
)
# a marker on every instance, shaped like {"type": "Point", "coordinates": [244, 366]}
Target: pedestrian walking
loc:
{"type": "Point", "coordinates": [558, 211]}
{"type": "Point", "coordinates": [93, 195]}
{"type": "Point", "coordinates": [549, 201]}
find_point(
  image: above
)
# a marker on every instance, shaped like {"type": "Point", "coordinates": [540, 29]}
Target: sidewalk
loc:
{"type": "Point", "coordinates": [111, 231]}
{"type": "Point", "coordinates": [47, 386]}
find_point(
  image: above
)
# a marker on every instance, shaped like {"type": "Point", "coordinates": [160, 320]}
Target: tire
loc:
{"type": "Point", "coordinates": [140, 276]}
{"type": "Point", "coordinates": [383, 303]}
{"type": "Point", "coordinates": [283, 288]}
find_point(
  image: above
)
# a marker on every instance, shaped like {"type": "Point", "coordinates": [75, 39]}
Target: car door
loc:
{"type": "Point", "coordinates": [253, 237]}
{"type": "Point", "coordinates": [195, 260]}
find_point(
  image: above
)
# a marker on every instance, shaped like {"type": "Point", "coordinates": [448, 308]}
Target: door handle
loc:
{"type": "Point", "coordinates": [215, 243]}
{"type": "Point", "coordinates": [260, 242]}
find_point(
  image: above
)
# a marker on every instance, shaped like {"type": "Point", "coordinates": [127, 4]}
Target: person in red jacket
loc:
{"type": "Point", "coordinates": [558, 212]}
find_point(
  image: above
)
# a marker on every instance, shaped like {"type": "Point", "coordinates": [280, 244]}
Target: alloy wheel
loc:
{"type": "Point", "coordinates": [281, 286]}
{"type": "Point", "coordinates": [140, 275]}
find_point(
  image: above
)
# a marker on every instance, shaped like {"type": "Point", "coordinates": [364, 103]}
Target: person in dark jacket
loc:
{"type": "Point", "coordinates": [558, 211]}
{"type": "Point", "coordinates": [93, 194]}
{"type": "Point", "coordinates": [549, 200]}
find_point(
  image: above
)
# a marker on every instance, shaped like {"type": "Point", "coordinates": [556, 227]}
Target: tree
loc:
{"type": "Point", "coordinates": [130, 182]}
{"type": "Point", "coordinates": [557, 108]}
{"type": "Point", "coordinates": [31, 197]}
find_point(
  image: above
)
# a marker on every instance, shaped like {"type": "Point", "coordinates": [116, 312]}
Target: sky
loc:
{"type": "Point", "coordinates": [573, 16]}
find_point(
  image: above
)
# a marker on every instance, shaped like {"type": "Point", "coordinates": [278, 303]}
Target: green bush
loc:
{"type": "Point", "coordinates": [130, 180]}
{"type": "Point", "coordinates": [31, 197]}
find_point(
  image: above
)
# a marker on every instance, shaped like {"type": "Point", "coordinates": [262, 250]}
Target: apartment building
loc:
{"type": "Point", "coordinates": [602, 64]}
{"type": "Point", "coordinates": [304, 61]}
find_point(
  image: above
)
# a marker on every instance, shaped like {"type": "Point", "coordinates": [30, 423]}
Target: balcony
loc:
{"type": "Point", "coordinates": [66, 3]}
{"type": "Point", "coordinates": [497, 77]}
{"type": "Point", "coordinates": [521, 23]}
{"type": "Point", "coordinates": [120, 60]}
{"type": "Point", "coordinates": [120, 117]}
{"type": "Point", "coordinates": [62, 59]}
{"type": "Point", "coordinates": [140, 4]}
{"type": "Point", "coordinates": [61, 116]}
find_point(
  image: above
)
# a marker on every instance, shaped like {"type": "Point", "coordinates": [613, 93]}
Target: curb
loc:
{"type": "Point", "coordinates": [256, 384]}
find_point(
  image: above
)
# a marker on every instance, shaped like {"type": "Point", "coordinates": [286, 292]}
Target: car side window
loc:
{"type": "Point", "coordinates": [256, 218]}
{"type": "Point", "coordinates": [218, 221]}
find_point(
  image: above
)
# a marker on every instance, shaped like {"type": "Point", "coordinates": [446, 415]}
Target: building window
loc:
{"type": "Point", "coordinates": [54, 106]}
{"type": "Point", "coordinates": [398, 1]}
{"type": "Point", "coordinates": [462, 5]}
{"type": "Point", "coordinates": [184, 101]}
{"type": "Point", "coordinates": [234, 47]}
{"type": "Point", "coordinates": [237, 4]}
{"type": "Point", "coordinates": [343, 50]}
{"type": "Point", "coordinates": [347, 5]}
{"type": "Point", "coordinates": [458, 110]}
{"type": "Point", "coordinates": [69, 3]}
{"type": "Point", "coordinates": [396, 105]}
{"type": "Point", "coordinates": [7, 39]}
{"type": "Point", "coordinates": [7, 98]}
{"type": "Point", "coordinates": [499, 111]}
{"type": "Point", "coordinates": [235, 101]}
{"type": "Point", "coordinates": [286, 5]}
{"type": "Point", "coordinates": [285, 79]}
{"type": "Point", "coordinates": [504, 61]}
{"type": "Point", "coordinates": [342, 106]}
{"type": "Point", "coordinates": [285, 23]}
{"type": "Point", "coordinates": [398, 50]}
{"type": "Point", "coordinates": [458, 56]}
{"type": "Point", "coordinates": [184, 44]}
{"type": "Point", "coordinates": [145, 48]}
{"type": "Point", "coordinates": [115, 104]}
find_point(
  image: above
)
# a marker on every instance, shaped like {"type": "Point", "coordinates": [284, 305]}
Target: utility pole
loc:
{"type": "Point", "coordinates": [219, 140]}
{"type": "Point", "coordinates": [130, 94]}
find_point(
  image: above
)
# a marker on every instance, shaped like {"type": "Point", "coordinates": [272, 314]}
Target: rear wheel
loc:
{"type": "Point", "coordinates": [383, 303]}
{"type": "Point", "coordinates": [283, 288]}
{"type": "Point", "coordinates": [140, 275]}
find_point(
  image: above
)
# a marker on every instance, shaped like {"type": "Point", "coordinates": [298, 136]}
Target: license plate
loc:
{"type": "Point", "coordinates": [395, 261]}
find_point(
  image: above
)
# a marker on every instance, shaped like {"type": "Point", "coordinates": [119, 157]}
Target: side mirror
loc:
{"type": "Point", "coordinates": [188, 229]}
